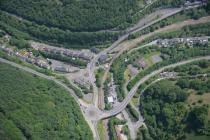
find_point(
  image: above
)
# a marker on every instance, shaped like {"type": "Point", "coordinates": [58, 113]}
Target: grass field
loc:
{"type": "Point", "coordinates": [199, 100]}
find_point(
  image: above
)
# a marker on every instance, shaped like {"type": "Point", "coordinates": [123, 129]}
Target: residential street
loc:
{"type": "Point", "coordinates": [104, 114]}
{"type": "Point", "coordinates": [91, 112]}
{"type": "Point", "coordinates": [140, 26]}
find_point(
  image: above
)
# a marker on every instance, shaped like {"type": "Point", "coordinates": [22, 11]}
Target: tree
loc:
{"type": "Point", "coordinates": [204, 64]}
{"type": "Point", "coordinates": [208, 6]}
{"type": "Point", "coordinates": [198, 118]}
{"type": "Point", "coordinates": [183, 83]}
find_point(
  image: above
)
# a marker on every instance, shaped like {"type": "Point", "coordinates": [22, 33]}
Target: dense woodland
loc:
{"type": "Point", "coordinates": [83, 15]}
{"type": "Point", "coordinates": [73, 24]}
{"type": "Point", "coordinates": [35, 108]}
{"type": "Point", "coordinates": [29, 30]}
{"type": "Point", "coordinates": [168, 115]}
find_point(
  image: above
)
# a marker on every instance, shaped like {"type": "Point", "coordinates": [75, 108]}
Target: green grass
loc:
{"type": "Point", "coordinates": [99, 75]}
{"type": "Point", "coordinates": [35, 108]}
{"type": "Point", "coordinates": [101, 130]}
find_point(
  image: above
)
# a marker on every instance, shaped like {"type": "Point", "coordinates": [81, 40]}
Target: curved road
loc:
{"type": "Point", "coordinates": [136, 28]}
{"type": "Point", "coordinates": [91, 68]}
{"type": "Point", "coordinates": [91, 124]}
{"type": "Point", "coordinates": [116, 110]}
{"type": "Point", "coordinates": [140, 122]}
{"type": "Point", "coordinates": [131, 93]}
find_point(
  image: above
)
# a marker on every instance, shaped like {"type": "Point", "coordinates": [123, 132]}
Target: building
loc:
{"type": "Point", "coordinates": [110, 99]}
{"type": "Point", "coordinates": [189, 41]}
{"type": "Point", "coordinates": [148, 1]}
{"type": "Point", "coordinates": [8, 50]}
{"type": "Point", "coordinates": [42, 63]}
{"type": "Point", "coordinates": [168, 74]}
{"type": "Point", "coordinates": [83, 54]}
{"type": "Point", "coordinates": [196, 2]}
{"type": "Point", "coordinates": [95, 50]}
{"type": "Point", "coordinates": [103, 58]}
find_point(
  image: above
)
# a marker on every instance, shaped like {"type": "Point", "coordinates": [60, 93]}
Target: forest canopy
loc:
{"type": "Point", "coordinates": [74, 23]}
{"type": "Point", "coordinates": [35, 108]}
{"type": "Point", "coordinates": [76, 15]}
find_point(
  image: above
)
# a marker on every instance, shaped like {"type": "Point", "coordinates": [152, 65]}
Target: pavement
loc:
{"type": "Point", "coordinates": [91, 113]}
{"type": "Point", "coordinates": [131, 93]}
{"type": "Point", "coordinates": [140, 26]}
{"type": "Point", "coordinates": [131, 43]}
{"type": "Point", "coordinates": [130, 124]}
{"type": "Point", "coordinates": [82, 105]}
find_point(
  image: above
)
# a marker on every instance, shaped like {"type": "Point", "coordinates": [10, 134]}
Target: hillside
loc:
{"type": "Point", "coordinates": [73, 23]}
{"type": "Point", "coordinates": [34, 108]}
{"type": "Point", "coordinates": [179, 108]}
{"type": "Point", "coordinates": [82, 15]}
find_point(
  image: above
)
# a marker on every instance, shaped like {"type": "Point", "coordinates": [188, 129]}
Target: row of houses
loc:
{"type": "Point", "coordinates": [27, 57]}
{"type": "Point", "coordinates": [168, 74]}
{"type": "Point", "coordinates": [196, 2]}
{"type": "Point", "coordinates": [83, 54]}
{"type": "Point", "coordinates": [189, 41]}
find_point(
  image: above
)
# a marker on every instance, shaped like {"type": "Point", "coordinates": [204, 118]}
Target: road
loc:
{"type": "Point", "coordinates": [114, 111]}
{"type": "Point", "coordinates": [126, 45]}
{"type": "Point", "coordinates": [72, 93]}
{"type": "Point", "coordinates": [91, 68]}
{"type": "Point", "coordinates": [130, 125]}
{"type": "Point", "coordinates": [140, 122]}
{"type": "Point", "coordinates": [136, 28]}
{"type": "Point", "coordinates": [131, 93]}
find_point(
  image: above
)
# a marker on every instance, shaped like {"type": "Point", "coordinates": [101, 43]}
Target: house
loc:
{"type": "Point", "coordinates": [85, 56]}
{"type": "Point", "coordinates": [190, 41]}
{"type": "Point", "coordinates": [30, 60]}
{"type": "Point", "coordinates": [95, 50]}
{"type": "Point", "coordinates": [8, 50]}
{"type": "Point", "coordinates": [42, 63]}
{"type": "Point", "coordinates": [168, 74]}
{"type": "Point", "coordinates": [110, 99]}
{"type": "Point", "coordinates": [148, 1]}
{"type": "Point", "coordinates": [103, 58]}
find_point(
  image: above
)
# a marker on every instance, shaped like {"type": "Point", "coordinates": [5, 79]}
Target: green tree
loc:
{"type": "Point", "coordinates": [198, 118]}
